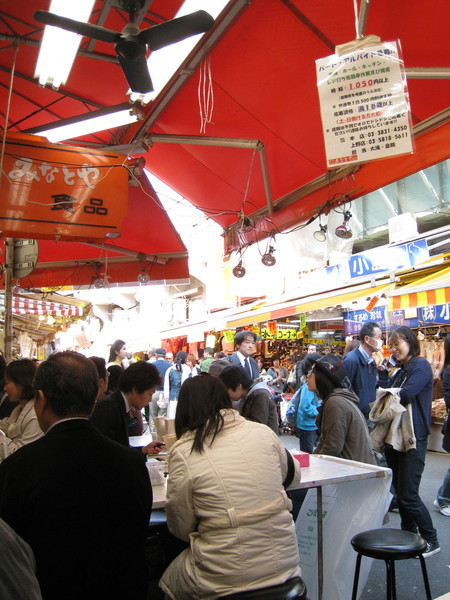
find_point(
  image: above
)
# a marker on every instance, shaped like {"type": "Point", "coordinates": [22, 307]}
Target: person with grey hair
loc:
{"type": "Point", "coordinates": [81, 501]}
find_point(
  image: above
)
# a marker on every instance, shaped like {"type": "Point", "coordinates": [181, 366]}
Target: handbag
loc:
{"type": "Point", "coordinates": [290, 470]}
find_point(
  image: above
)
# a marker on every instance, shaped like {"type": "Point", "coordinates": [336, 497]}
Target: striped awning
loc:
{"type": "Point", "coordinates": [427, 291]}
{"type": "Point", "coordinates": [22, 306]}
{"type": "Point", "coordinates": [338, 298]}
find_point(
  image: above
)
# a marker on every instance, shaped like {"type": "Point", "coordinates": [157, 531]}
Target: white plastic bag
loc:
{"type": "Point", "coordinates": [348, 508]}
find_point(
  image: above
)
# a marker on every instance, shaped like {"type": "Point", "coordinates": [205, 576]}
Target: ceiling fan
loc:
{"type": "Point", "coordinates": [131, 43]}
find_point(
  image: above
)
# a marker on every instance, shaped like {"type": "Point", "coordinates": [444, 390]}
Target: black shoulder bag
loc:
{"type": "Point", "coordinates": [290, 470]}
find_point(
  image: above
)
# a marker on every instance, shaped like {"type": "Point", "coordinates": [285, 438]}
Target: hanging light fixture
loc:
{"type": "Point", "coordinates": [343, 231]}
{"type": "Point", "coordinates": [321, 234]}
{"type": "Point", "coordinates": [239, 271]}
{"type": "Point", "coordinates": [143, 277]}
{"type": "Point", "coordinates": [268, 258]}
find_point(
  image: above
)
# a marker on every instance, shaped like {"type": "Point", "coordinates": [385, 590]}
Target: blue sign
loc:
{"type": "Point", "coordinates": [355, 319]}
{"type": "Point", "coordinates": [397, 318]}
{"type": "Point", "coordinates": [385, 259]}
{"type": "Point", "coordinates": [434, 314]}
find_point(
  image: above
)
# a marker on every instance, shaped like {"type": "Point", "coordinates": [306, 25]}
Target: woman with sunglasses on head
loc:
{"type": "Point", "coordinates": [342, 427]}
{"type": "Point", "coordinates": [415, 378]}
{"type": "Point", "coordinates": [225, 497]}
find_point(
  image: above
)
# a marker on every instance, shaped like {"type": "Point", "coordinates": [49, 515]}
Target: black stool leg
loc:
{"type": "Point", "coordinates": [391, 593]}
{"type": "Point", "coordinates": [356, 578]}
{"type": "Point", "coordinates": [425, 577]}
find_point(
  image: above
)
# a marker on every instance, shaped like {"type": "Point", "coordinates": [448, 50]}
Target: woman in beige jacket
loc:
{"type": "Point", "coordinates": [22, 426]}
{"type": "Point", "coordinates": [225, 497]}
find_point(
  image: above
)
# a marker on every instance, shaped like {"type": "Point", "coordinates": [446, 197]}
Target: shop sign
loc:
{"type": "Point", "coordinates": [355, 319]}
{"type": "Point", "coordinates": [228, 335]}
{"type": "Point", "coordinates": [52, 191]}
{"type": "Point", "coordinates": [364, 105]}
{"type": "Point", "coordinates": [398, 317]}
{"type": "Point", "coordinates": [434, 314]}
{"type": "Point", "coordinates": [279, 333]}
{"type": "Point", "coordinates": [379, 260]}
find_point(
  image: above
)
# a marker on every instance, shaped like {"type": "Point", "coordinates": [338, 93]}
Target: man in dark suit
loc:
{"type": "Point", "coordinates": [81, 501]}
{"type": "Point", "coordinates": [136, 387]}
{"type": "Point", "coordinates": [245, 343]}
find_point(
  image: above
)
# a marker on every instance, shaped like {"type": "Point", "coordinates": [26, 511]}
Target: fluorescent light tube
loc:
{"type": "Point", "coordinates": [59, 47]}
{"type": "Point", "coordinates": [98, 120]}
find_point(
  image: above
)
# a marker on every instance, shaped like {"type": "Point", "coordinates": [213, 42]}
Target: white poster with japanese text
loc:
{"type": "Point", "coordinates": [364, 105]}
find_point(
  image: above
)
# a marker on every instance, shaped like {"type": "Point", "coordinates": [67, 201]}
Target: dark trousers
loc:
{"type": "Point", "coordinates": [308, 439]}
{"type": "Point", "coordinates": [407, 469]}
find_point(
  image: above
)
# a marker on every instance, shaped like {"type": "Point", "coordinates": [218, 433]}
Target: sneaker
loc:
{"type": "Point", "coordinates": [431, 549]}
{"type": "Point", "coordinates": [444, 510]}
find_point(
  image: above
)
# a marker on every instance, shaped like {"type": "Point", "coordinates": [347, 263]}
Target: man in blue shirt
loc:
{"type": "Point", "coordinates": [361, 367]}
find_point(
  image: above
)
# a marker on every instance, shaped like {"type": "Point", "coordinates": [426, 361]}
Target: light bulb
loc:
{"type": "Point", "coordinates": [321, 234]}
{"type": "Point", "coordinates": [143, 277]}
{"type": "Point", "coordinates": [239, 271]}
{"type": "Point", "coordinates": [268, 259]}
{"type": "Point", "coordinates": [343, 231]}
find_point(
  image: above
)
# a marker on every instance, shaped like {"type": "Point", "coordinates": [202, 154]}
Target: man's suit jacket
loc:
{"type": "Point", "coordinates": [234, 359]}
{"type": "Point", "coordinates": [83, 504]}
{"type": "Point", "coordinates": [110, 418]}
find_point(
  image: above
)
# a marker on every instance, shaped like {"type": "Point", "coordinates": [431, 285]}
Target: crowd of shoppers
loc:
{"type": "Point", "coordinates": [72, 475]}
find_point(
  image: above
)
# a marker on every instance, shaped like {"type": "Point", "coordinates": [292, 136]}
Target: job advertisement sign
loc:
{"type": "Point", "coordinates": [364, 105]}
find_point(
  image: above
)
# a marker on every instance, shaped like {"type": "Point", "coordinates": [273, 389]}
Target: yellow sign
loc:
{"type": "Point", "coordinates": [280, 334]}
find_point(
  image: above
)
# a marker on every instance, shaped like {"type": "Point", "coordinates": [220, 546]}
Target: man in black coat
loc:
{"type": "Point", "coordinates": [245, 343]}
{"type": "Point", "coordinates": [136, 387]}
{"type": "Point", "coordinates": [81, 501]}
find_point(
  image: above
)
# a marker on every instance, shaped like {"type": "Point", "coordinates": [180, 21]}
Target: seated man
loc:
{"type": "Point", "coordinates": [111, 415]}
{"type": "Point", "coordinates": [254, 401]}
{"type": "Point", "coordinates": [81, 501]}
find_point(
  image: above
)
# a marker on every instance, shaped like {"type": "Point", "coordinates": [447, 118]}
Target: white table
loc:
{"type": "Point", "coordinates": [323, 470]}
{"type": "Point", "coordinates": [326, 470]}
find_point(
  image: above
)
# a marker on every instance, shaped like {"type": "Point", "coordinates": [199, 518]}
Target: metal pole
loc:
{"type": "Point", "coordinates": [9, 266]}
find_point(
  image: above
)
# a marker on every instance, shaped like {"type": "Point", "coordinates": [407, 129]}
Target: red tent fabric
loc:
{"type": "Point", "coordinates": [262, 63]}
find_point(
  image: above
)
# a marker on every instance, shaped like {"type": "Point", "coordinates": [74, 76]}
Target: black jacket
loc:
{"type": "Point", "coordinates": [83, 503]}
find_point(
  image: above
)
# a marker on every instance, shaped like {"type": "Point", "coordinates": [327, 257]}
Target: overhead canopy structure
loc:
{"type": "Point", "coordinates": [148, 244]}
{"type": "Point", "coordinates": [261, 153]}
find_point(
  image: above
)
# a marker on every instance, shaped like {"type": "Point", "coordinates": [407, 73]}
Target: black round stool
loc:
{"type": "Point", "coordinates": [292, 589]}
{"type": "Point", "coordinates": [389, 545]}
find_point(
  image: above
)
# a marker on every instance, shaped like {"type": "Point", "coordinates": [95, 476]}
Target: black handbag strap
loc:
{"type": "Point", "coordinates": [290, 470]}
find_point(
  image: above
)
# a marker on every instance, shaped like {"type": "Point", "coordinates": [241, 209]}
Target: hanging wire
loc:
{"type": "Point", "coordinates": [205, 94]}
{"type": "Point", "coordinates": [8, 105]}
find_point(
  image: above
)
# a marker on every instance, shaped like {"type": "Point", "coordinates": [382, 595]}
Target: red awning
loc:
{"type": "Point", "coordinates": [261, 57]}
{"type": "Point", "coordinates": [148, 241]}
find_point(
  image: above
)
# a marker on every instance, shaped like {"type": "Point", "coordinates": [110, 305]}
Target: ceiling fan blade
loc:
{"type": "Point", "coordinates": [93, 31]}
{"type": "Point", "coordinates": [176, 30]}
{"type": "Point", "coordinates": [136, 72]}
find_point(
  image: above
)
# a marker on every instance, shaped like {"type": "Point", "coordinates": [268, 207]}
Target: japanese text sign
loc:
{"type": "Point", "coordinates": [50, 191]}
{"type": "Point", "coordinates": [364, 105]}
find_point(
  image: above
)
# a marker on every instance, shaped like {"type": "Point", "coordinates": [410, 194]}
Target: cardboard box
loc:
{"type": "Point", "coordinates": [302, 457]}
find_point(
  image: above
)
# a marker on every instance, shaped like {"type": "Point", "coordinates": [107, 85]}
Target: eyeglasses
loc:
{"type": "Point", "coordinates": [310, 372]}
